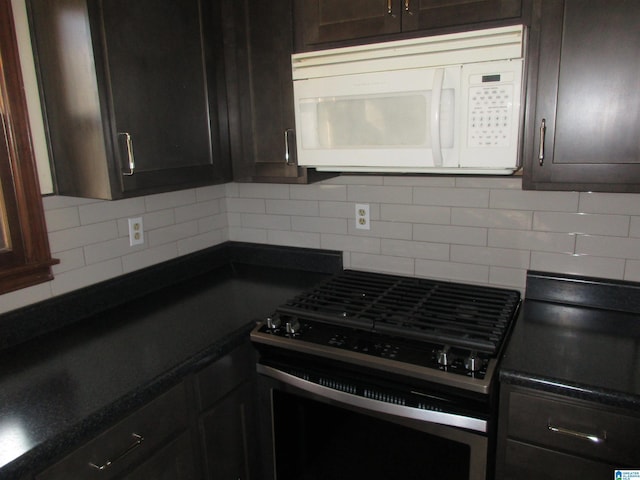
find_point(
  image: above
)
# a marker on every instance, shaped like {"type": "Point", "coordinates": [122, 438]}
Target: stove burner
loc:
{"type": "Point", "coordinates": [448, 313]}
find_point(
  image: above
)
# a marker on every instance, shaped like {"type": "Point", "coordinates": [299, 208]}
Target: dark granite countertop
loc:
{"type": "Point", "coordinates": [61, 386]}
{"type": "Point", "coordinates": [578, 337]}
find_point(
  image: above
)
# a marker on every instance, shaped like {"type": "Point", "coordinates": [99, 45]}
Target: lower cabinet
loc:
{"type": "Point", "coordinates": [153, 442]}
{"type": "Point", "coordinates": [226, 419]}
{"type": "Point", "coordinates": [201, 428]}
{"type": "Point", "coordinates": [541, 435]}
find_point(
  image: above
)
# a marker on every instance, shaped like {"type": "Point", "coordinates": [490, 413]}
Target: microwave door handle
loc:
{"type": "Point", "coordinates": [436, 98]}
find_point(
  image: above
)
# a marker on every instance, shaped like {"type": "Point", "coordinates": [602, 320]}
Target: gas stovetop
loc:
{"type": "Point", "coordinates": [451, 333]}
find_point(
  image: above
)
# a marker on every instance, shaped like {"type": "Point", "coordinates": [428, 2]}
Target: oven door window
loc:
{"type": "Point", "coordinates": [314, 440]}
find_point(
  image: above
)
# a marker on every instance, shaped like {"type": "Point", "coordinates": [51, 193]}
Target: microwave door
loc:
{"type": "Point", "coordinates": [384, 121]}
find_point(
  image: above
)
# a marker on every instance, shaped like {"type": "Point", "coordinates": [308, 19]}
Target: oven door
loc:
{"type": "Point", "coordinates": [325, 430]}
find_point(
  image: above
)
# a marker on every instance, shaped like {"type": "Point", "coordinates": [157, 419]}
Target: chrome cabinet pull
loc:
{"type": "Point", "coordinates": [137, 441]}
{"type": "Point", "coordinates": [407, 5]}
{"type": "Point", "coordinates": [287, 150]}
{"type": "Point", "coordinates": [543, 131]}
{"type": "Point", "coordinates": [130, 157]}
{"type": "Point", "coordinates": [389, 7]}
{"type": "Point", "coordinates": [576, 434]}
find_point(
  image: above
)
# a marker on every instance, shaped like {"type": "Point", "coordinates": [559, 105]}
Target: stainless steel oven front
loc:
{"type": "Point", "coordinates": [336, 423]}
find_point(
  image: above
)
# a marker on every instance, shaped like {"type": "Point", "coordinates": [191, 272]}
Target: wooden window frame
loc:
{"type": "Point", "coordinates": [28, 260]}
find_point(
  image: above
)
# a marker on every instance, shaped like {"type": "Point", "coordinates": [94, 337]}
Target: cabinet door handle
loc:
{"type": "Point", "coordinates": [137, 441]}
{"type": "Point", "coordinates": [576, 434]}
{"type": "Point", "coordinates": [389, 7]}
{"type": "Point", "coordinates": [130, 157]}
{"type": "Point", "coordinates": [543, 132]}
{"type": "Point", "coordinates": [288, 133]}
{"type": "Point", "coordinates": [407, 6]}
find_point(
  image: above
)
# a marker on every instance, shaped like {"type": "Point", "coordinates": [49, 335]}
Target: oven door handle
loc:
{"type": "Point", "coordinates": [429, 416]}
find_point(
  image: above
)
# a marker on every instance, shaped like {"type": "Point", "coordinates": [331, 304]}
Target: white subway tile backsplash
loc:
{"type": "Point", "coordinates": [608, 246]}
{"type": "Point", "coordinates": [533, 241]}
{"type": "Point", "coordinates": [196, 211]}
{"type": "Point", "coordinates": [249, 235]}
{"type": "Point", "coordinates": [610, 203]}
{"type": "Point", "coordinates": [103, 211]}
{"type": "Point", "coordinates": [69, 260]}
{"type": "Point", "coordinates": [169, 200]}
{"type": "Point", "coordinates": [84, 235]}
{"type": "Point", "coordinates": [508, 277]}
{"type": "Point", "coordinates": [501, 257]}
{"type": "Point", "coordinates": [245, 205]}
{"type": "Point", "coordinates": [412, 249]}
{"type": "Point", "coordinates": [415, 214]}
{"type": "Point", "coordinates": [485, 217]}
{"type": "Point", "coordinates": [263, 190]}
{"type": "Point", "coordinates": [452, 234]}
{"type": "Point", "coordinates": [273, 222]}
{"type": "Point", "coordinates": [116, 248]}
{"type": "Point", "coordinates": [521, 200]}
{"type": "Point", "coordinates": [293, 239]}
{"type": "Point", "coordinates": [148, 257]}
{"type": "Point", "coordinates": [293, 207]}
{"type": "Point", "coordinates": [350, 243]}
{"type": "Point", "coordinates": [462, 272]}
{"type": "Point", "coordinates": [328, 192]}
{"type": "Point", "coordinates": [204, 240]}
{"type": "Point", "coordinates": [582, 223]}
{"type": "Point", "coordinates": [171, 233]}
{"type": "Point", "coordinates": [382, 263]}
{"type": "Point", "coordinates": [319, 225]}
{"type": "Point", "coordinates": [378, 194]}
{"type": "Point", "coordinates": [451, 197]}
{"type": "Point", "coordinates": [62, 218]}
{"type": "Point", "coordinates": [383, 230]}
{"type": "Point", "coordinates": [578, 264]}
{"type": "Point", "coordinates": [420, 181]}
{"type": "Point", "coordinates": [75, 279]}
{"type": "Point", "coordinates": [471, 229]}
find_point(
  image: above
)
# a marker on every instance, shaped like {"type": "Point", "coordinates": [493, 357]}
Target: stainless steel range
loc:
{"type": "Point", "coordinates": [415, 353]}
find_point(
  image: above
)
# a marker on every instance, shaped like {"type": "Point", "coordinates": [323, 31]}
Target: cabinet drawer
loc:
{"type": "Point", "coordinates": [526, 462]}
{"type": "Point", "coordinates": [225, 374]}
{"type": "Point", "coordinates": [575, 428]}
{"type": "Point", "coordinates": [127, 443]}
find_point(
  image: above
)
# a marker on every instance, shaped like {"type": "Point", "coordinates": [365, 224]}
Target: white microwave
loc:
{"type": "Point", "coordinates": [443, 104]}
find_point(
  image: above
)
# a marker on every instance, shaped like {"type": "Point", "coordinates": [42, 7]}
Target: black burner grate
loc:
{"type": "Point", "coordinates": [448, 313]}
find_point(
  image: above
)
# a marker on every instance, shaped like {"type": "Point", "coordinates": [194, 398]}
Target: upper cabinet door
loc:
{"type": "Point", "coordinates": [325, 21]}
{"type": "Point", "coordinates": [156, 78]}
{"type": "Point", "coordinates": [321, 22]}
{"type": "Point", "coordinates": [583, 115]}
{"type": "Point", "coordinates": [427, 14]}
{"type": "Point", "coordinates": [131, 93]}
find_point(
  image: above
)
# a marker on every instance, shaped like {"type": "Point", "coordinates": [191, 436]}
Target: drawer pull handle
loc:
{"type": "Point", "coordinates": [574, 433]}
{"type": "Point", "coordinates": [137, 441]}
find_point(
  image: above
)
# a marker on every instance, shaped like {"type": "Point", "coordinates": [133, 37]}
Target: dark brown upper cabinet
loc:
{"type": "Point", "coordinates": [258, 38]}
{"type": "Point", "coordinates": [583, 105]}
{"type": "Point", "coordinates": [133, 94]}
{"type": "Point", "coordinates": [322, 22]}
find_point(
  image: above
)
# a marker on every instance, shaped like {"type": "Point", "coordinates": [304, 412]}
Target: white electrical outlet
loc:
{"type": "Point", "coordinates": [136, 232]}
{"type": "Point", "coordinates": [362, 216]}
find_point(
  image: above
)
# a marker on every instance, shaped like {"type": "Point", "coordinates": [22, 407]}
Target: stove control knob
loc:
{"type": "Point", "coordinates": [473, 363]}
{"type": "Point", "coordinates": [444, 358]}
{"type": "Point", "coordinates": [273, 323]}
{"type": "Point", "coordinates": [293, 326]}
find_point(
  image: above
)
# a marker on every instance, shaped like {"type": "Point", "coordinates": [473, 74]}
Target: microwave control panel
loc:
{"type": "Point", "coordinates": [491, 113]}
